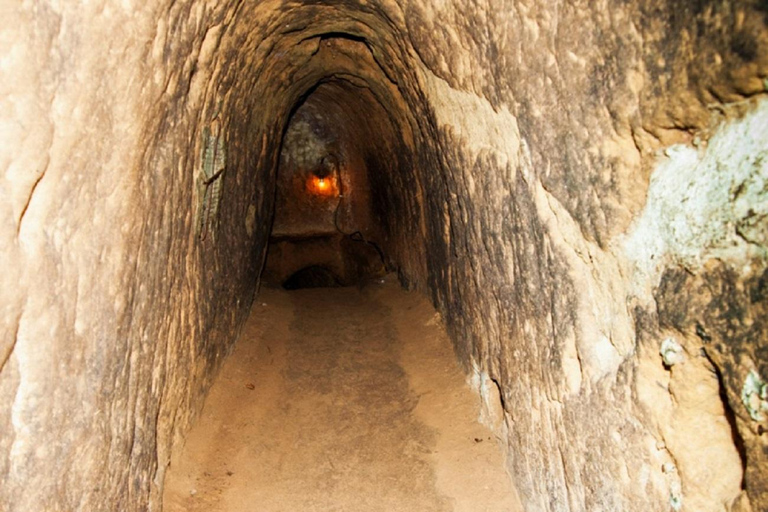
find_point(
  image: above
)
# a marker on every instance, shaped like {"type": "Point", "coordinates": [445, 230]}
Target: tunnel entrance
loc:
{"type": "Point", "coordinates": [324, 228]}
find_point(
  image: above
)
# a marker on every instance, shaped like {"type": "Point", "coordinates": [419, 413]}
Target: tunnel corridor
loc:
{"type": "Point", "coordinates": [325, 219]}
{"type": "Point", "coordinates": [402, 254]}
{"type": "Point", "coordinates": [360, 403]}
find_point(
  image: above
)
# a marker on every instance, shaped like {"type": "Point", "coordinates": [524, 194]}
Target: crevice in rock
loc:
{"type": "Point", "coordinates": [29, 200]}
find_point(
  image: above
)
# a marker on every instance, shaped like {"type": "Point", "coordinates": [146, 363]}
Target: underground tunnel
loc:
{"type": "Point", "coordinates": [324, 224]}
{"type": "Point", "coordinates": [384, 255]}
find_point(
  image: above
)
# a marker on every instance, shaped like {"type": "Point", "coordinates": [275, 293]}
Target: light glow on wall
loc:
{"type": "Point", "coordinates": [325, 186]}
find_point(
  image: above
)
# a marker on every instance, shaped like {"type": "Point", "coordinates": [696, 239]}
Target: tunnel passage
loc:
{"type": "Point", "coordinates": [578, 187]}
{"type": "Point", "coordinates": [337, 150]}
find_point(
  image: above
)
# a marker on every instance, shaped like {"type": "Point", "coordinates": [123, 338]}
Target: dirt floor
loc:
{"type": "Point", "coordinates": [342, 399]}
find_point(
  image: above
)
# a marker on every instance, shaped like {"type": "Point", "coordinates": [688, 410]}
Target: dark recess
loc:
{"type": "Point", "coordinates": [312, 277]}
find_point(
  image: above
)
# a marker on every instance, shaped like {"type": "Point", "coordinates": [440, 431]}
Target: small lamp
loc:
{"type": "Point", "coordinates": [321, 179]}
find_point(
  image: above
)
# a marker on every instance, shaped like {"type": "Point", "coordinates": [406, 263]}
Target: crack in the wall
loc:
{"type": "Point", "coordinates": [14, 339]}
{"type": "Point", "coordinates": [29, 201]}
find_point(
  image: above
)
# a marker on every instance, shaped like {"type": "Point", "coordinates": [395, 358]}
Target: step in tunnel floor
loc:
{"type": "Point", "coordinates": [340, 399]}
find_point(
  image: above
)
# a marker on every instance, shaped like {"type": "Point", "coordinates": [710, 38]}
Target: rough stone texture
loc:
{"type": "Point", "coordinates": [514, 183]}
{"type": "Point", "coordinates": [722, 316]}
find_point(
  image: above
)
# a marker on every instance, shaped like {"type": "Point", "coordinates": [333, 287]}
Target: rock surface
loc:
{"type": "Point", "coordinates": [524, 182]}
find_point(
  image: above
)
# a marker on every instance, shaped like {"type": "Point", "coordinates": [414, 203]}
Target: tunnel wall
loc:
{"type": "Point", "coordinates": [545, 189]}
{"type": "Point", "coordinates": [117, 309]}
{"type": "Point", "coordinates": [548, 129]}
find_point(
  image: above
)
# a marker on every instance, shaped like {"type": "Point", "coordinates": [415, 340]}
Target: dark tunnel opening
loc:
{"type": "Point", "coordinates": [313, 276]}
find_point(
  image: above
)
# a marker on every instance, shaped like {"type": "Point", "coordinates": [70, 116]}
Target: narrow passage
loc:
{"type": "Point", "coordinates": [340, 399]}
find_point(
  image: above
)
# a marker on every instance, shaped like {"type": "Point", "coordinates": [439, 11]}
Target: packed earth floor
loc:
{"type": "Point", "coordinates": [341, 399]}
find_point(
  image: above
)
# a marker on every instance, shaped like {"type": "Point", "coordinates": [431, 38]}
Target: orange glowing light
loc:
{"type": "Point", "coordinates": [321, 186]}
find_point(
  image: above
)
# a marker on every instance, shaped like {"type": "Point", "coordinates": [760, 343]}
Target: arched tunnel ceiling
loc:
{"type": "Point", "coordinates": [308, 44]}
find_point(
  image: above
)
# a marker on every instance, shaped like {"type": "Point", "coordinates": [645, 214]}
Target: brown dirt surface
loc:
{"type": "Point", "coordinates": [345, 399]}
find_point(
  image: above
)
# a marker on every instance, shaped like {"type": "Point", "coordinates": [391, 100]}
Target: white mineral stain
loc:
{"type": "Point", "coordinates": [706, 204]}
